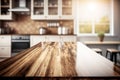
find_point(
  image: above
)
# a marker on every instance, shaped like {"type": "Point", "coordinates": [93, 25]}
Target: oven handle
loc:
{"type": "Point", "coordinates": [20, 40]}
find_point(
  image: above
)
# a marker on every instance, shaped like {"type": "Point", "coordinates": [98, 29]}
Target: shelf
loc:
{"type": "Point", "coordinates": [38, 6]}
{"type": "Point", "coordinates": [66, 6]}
{"type": "Point", "coordinates": [5, 6]}
{"type": "Point", "coordinates": [101, 43]}
{"type": "Point", "coordinates": [53, 7]}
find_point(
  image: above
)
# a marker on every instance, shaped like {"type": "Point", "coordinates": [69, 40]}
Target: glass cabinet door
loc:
{"type": "Point", "coordinates": [5, 5]}
{"type": "Point", "coordinates": [5, 14]}
{"type": "Point", "coordinates": [66, 7]}
{"type": "Point", "coordinates": [52, 7]}
{"type": "Point", "coordinates": [38, 7]}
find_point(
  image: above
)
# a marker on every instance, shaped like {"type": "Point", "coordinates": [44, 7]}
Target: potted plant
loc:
{"type": "Point", "coordinates": [101, 36]}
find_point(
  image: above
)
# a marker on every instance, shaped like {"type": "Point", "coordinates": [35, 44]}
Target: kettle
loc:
{"type": "Point", "coordinates": [42, 30]}
{"type": "Point", "coordinates": [63, 30]}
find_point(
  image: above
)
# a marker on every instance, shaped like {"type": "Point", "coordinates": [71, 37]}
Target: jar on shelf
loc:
{"type": "Point", "coordinates": [59, 30]}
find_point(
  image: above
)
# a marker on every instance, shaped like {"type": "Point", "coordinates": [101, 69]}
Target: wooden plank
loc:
{"type": "Point", "coordinates": [37, 63]}
{"type": "Point", "coordinates": [55, 65]}
{"type": "Point", "coordinates": [15, 68]}
{"type": "Point", "coordinates": [15, 58]}
{"type": "Point", "coordinates": [50, 65]}
{"type": "Point", "coordinates": [68, 62]}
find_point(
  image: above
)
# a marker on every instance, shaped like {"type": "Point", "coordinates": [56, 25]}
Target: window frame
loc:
{"type": "Point", "coordinates": [111, 33]}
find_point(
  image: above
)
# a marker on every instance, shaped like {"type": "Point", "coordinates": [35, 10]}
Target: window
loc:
{"type": "Point", "coordinates": [94, 16]}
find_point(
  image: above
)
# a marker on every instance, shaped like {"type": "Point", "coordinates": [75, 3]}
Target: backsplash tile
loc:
{"type": "Point", "coordinates": [24, 25]}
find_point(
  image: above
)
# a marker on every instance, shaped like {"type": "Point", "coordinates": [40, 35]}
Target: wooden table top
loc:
{"type": "Point", "coordinates": [56, 60]}
{"type": "Point", "coordinates": [51, 60]}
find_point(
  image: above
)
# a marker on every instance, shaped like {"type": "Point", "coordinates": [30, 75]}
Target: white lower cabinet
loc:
{"type": "Point", "coordinates": [35, 39]}
{"type": "Point", "coordinates": [69, 38]}
{"type": "Point", "coordinates": [5, 45]}
{"type": "Point", "coordinates": [5, 40]}
{"type": "Point", "coordinates": [5, 51]}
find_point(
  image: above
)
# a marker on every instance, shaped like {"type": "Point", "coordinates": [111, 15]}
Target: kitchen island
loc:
{"type": "Point", "coordinates": [54, 59]}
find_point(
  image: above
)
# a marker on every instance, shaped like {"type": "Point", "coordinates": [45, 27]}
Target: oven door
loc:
{"type": "Point", "coordinates": [19, 46]}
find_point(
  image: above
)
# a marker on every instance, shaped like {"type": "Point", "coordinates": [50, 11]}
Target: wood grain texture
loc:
{"type": "Point", "coordinates": [48, 59]}
{"type": "Point", "coordinates": [58, 59]}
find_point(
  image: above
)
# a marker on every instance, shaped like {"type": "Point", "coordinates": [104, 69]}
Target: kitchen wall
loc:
{"type": "Point", "coordinates": [115, 37]}
{"type": "Point", "coordinates": [24, 25]}
{"type": "Point", "coordinates": [116, 25]}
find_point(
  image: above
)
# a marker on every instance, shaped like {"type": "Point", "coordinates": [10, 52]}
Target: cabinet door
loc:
{"type": "Point", "coordinates": [5, 41]}
{"type": "Point", "coordinates": [53, 9]}
{"type": "Point", "coordinates": [38, 9]}
{"type": "Point", "coordinates": [36, 39]}
{"type": "Point", "coordinates": [67, 9]}
{"type": "Point", "coordinates": [45, 9]}
{"type": "Point", "coordinates": [5, 51]}
{"type": "Point", "coordinates": [69, 38]}
{"type": "Point", "coordinates": [52, 38]}
{"type": "Point", "coordinates": [5, 14]}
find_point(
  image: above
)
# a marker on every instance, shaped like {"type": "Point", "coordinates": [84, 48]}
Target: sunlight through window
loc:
{"type": "Point", "coordinates": [94, 16]}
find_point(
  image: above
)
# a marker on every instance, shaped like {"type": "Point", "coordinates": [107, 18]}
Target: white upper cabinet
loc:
{"type": "Point", "coordinates": [67, 9]}
{"type": "Point", "coordinates": [5, 5]}
{"type": "Point", "coordinates": [38, 9]}
{"type": "Point", "coordinates": [51, 9]}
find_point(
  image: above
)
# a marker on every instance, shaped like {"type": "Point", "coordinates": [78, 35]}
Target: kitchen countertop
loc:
{"type": "Point", "coordinates": [90, 63]}
{"type": "Point", "coordinates": [55, 61]}
{"type": "Point", "coordinates": [42, 35]}
{"type": "Point", "coordinates": [101, 43]}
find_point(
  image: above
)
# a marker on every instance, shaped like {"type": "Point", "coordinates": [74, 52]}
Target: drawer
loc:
{"type": "Point", "coordinates": [69, 38]}
{"type": "Point", "coordinates": [36, 39]}
{"type": "Point", "coordinates": [5, 40]}
{"type": "Point", "coordinates": [53, 38]}
{"type": "Point", "coordinates": [5, 51]}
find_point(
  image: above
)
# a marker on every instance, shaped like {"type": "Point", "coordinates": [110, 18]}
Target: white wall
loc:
{"type": "Point", "coordinates": [116, 26]}
{"type": "Point", "coordinates": [116, 36]}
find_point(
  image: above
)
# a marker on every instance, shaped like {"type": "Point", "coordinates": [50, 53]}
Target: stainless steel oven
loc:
{"type": "Point", "coordinates": [20, 43]}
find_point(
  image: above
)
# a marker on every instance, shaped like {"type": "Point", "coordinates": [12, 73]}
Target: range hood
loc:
{"type": "Point", "coordinates": [21, 8]}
